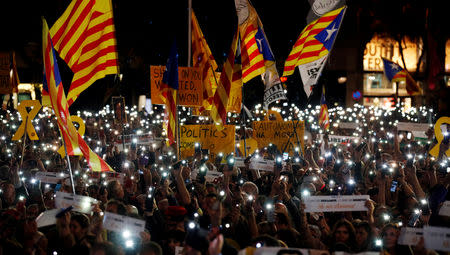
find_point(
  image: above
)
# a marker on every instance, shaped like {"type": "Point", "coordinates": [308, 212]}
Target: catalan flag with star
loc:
{"type": "Point", "coordinates": [397, 74]}
{"type": "Point", "coordinates": [169, 88]}
{"type": "Point", "coordinates": [313, 46]}
{"type": "Point", "coordinates": [53, 85]}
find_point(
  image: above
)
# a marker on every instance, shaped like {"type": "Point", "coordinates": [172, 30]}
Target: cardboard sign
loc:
{"type": "Point", "coordinates": [119, 223]}
{"type": "Point", "coordinates": [209, 138]}
{"type": "Point", "coordinates": [437, 238]}
{"type": "Point", "coordinates": [190, 90]}
{"type": "Point", "coordinates": [82, 204]}
{"type": "Point", "coordinates": [445, 209]}
{"type": "Point", "coordinates": [410, 236]}
{"type": "Point", "coordinates": [47, 218]}
{"type": "Point", "coordinates": [50, 177]}
{"type": "Point", "coordinates": [336, 203]}
{"type": "Point", "coordinates": [262, 164]}
{"type": "Point", "coordinates": [277, 133]}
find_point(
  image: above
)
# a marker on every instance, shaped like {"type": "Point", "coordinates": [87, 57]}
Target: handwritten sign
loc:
{"type": "Point", "coordinates": [336, 203]}
{"type": "Point", "coordinates": [410, 236]}
{"type": "Point", "coordinates": [277, 133]}
{"type": "Point", "coordinates": [437, 238]}
{"type": "Point", "coordinates": [82, 204]}
{"type": "Point", "coordinates": [190, 91]}
{"type": "Point", "coordinates": [445, 209]}
{"type": "Point", "coordinates": [119, 223]}
{"type": "Point", "coordinates": [50, 177]}
{"type": "Point", "coordinates": [262, 164]}
{"type": "Point", "coordinates": [209, 137]}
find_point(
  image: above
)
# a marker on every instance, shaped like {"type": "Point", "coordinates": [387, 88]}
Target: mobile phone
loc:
{"type": "Point", "coordinates": [394, 186]}
{"type": "Point", "coordinates": [414, 219]}
{"type": "Point", "coordinates": [197, 148]}
{"type": "Point", "coordinates": [361, 146]}
{"type": "Point", "coordinates": [408, 136]}
{"type": "Point", "coordinates": [285, 156]}
{"type": "Point", "coordinates": [230, 162]}
{"type": "Point", "coordinates": [278, 162]}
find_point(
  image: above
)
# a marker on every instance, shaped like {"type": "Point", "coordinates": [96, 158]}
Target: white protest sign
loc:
{"type": "Point", "coordinates": [410, 126]}
{"type": "Point", "coordinates": [410, 236]}
{"type": "Point", "coordinates": [348, 125]}
{"type": "Point", "coordinates": [47, 218]}
{"type": "Point", "coordinates": [437, 238]}
{"type": "Point", "coordinates": [336, 203]}
{"type": "Point", "coordinates": [119, 223]}
{"type": "Point", "coordinates": [50, 177]}
{"type": "Point", "coordinates": [212, 175]}
{"type": "Point", "coordinates": [279, 250]}
{"type": "Point", "coordinates": [82, 204]}
{"type": "Point", "coordinates": [262, 164]}
{"type": "Point", "coordinates": [342, 139]}
{"type": "Point", "coordinates": [445, 209]}
{"type": "Point", "coordinates": [239, 162]}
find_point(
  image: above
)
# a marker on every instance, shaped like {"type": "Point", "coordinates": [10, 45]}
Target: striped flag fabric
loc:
{"type": "Point", "coordinates": [252, 59]}
{"type": "Point", "coordinates": [397, 74]}
{"type": "Point", "coordinates": [314, 43]}
{"type": "Point", "coordinates": [84, 37]}
{"type": "Point", "coordinates": [203, 58]}
{"type": "Point", "coordinates": [231, 73]}
{"type": "Point", "coordinates": [324, 121]}
{"type": "Point", "coordinates": [169, 88]}
{"type": "Point", "coordinates": [52, 84]}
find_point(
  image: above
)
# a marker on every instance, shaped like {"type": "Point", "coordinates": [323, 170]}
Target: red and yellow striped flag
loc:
{"type": "Point", "coordinates": [84, 37]}
{"type": "Point", "coordinates": [252, 58]}
{"type": "Point", "coordinates": [203, 58]}
{"type": "Point", "coordinates": [324, 120]}
{"type": "Point", "coordinates": [52, 83]}
{"type": "Point", "coordinates": [308, 48]}
{"type": "Point", "coordinates": [231, 73]}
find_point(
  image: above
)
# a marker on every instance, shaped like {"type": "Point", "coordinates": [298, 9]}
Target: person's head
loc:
{"type": "Point", "coordinates": [250, 188]}
{"type": "Point", "coordinates": [104, 248]}
{"type": "Point", "coordinates": [79, 225]}
{"type": "Point", "coordinates": [343, 232]}
{"type": "Point", "coordinates": [196, 242]}
{"type": "Point", "coordinates": [390, 235]}
{"type": "Point", "coordinates": [151, 248]}
{"type": "Point", "coordinates": [363, 234]}
{"type": "Point", "coordinates": [173, 238]}
{"type": "Point", "coordinates": [115, 190]}
{"type": "Point", "coordinates": [9, 194]}
{"type": "Point", "coordinates": [115, 206]}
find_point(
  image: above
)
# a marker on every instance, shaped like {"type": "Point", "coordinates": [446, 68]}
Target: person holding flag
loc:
{"type": "Point", "coordinates": [324, 120]}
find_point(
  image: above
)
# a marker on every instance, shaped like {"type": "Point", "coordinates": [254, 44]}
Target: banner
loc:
{"type": "Point", "coordinates": [343, 203]}
{"type": "Point", "coordinates": [410, 236]}
{"type": "Point", "coordinates": [262, 164]}
{"type": "Point", "coordinates": [445, 209]}
{"type": "Point", "coordinates": [119, 223]}
{"type": "Point", "coordinates": [341, 139]}
{"type": "Point", "coordinates": [190, 90]}
{"type": "Point", "coordinates": [320, 7]}
{"type": "Point", "coordinates": [348, 125]}
{"type": "Point", "coordinates": [437, 238]}
{"type": "Point", "coordinates": [50, 177]}
{"type": "Point", "coordinates": [82, 204]}
{"type": "Point", "coordinates": [273, 94]}
{"type": "Point", "coordinates": [310, 73]}
{"type": "Point", "coordinates": [209, 138]}
{"type": "Point", "coordinates": [277, 133]}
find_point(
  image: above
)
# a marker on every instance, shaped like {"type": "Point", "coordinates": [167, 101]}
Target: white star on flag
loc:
{"type": "Point", "coordinates": [330, 32]}
{"type": "Point", "coordinates": [394, 66]}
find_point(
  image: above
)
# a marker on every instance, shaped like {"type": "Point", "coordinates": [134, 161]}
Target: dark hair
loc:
{"type": "Point", "coordinates": [121, 208]}
{"type": "Point", "coordinates": [152, 247]}
{"type": "Point", "coordinates": [351, 232]}
{"type": "Point", "coordinates": [82, 219]}
{"type": "Point", "coordinates": [108, 248]}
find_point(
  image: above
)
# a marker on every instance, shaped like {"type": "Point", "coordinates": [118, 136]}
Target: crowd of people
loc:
{"type": "Point", "coordinates": [185, 212]}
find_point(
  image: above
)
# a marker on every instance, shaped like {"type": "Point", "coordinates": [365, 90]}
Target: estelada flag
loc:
{"type": "Point", "coordinates": [397, 74]}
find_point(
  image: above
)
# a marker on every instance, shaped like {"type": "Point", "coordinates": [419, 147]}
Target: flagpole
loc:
{"type": "Point", "coordinates": [189, 32]}
{"type": "Point", "coordinates": [68, 161]}
{"type": "Point", "coordinates": [396, 94]}
{"type": "Point", "coordinates": [23, 153]}
{"type": "Point", "coordinates": [243, 119]}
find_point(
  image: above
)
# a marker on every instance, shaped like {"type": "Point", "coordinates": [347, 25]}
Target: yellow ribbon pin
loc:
{"type": "Point", "coordinates": [27, 117]}
{"type": "Point", "coordinates": [81, 130]}
{"type": "Point", "coordinates": [439, 136]}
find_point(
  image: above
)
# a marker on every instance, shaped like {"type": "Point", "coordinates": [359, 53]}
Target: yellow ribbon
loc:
{"type": "Point", "coordinates": [439, 136]}
{"type": "Point", "coordinates": [81, 130]}
{"type": "Point", "coordinates": [276, 114]}
{"type": "Point", "coordinates": [27, 117]}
